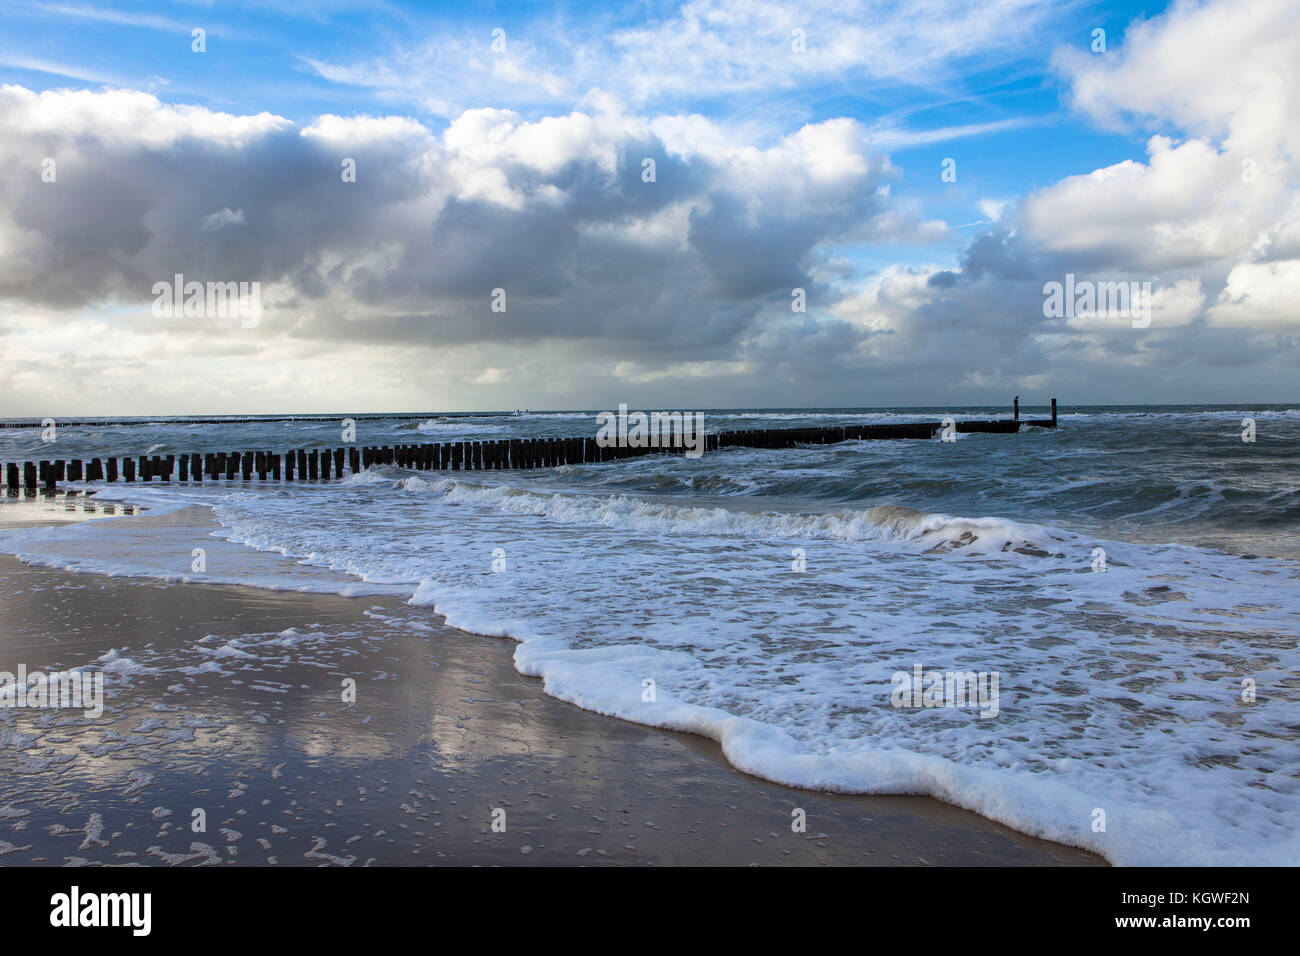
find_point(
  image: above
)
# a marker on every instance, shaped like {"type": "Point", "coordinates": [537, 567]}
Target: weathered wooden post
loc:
{"type": "Point", "coordinates": [1053, 413]}
{"type": "Point", "coordinates": [1015, 407]}
{"type": "Point", "coordinates": [112, 469]}
{"type": "Point", "coordinates": [29, 476]}
{"type": "Point", "coordinates": [11, 475]}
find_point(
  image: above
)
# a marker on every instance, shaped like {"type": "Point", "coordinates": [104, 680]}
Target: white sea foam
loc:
{"type": "Point", "coordinates": [469, 429]}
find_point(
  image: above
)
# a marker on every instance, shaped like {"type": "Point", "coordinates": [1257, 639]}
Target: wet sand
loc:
{"type": "Point", "coordinates": [253, 732]}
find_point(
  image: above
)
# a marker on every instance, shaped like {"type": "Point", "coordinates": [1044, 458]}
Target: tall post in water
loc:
{"type": "Point", "coordinates": [1015, 407]}
{"type": "Point", "coordinates": [1053, 413]}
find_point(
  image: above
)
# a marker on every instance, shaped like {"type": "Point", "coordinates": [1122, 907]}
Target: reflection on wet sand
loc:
{"type": "Point", "coordinates": [21, 510]}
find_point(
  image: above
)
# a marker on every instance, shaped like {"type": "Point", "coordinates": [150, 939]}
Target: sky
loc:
{"type": "Point", "coordinates": [669, 205]}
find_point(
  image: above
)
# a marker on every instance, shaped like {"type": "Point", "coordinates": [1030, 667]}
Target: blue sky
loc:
{"type": "Point", "coordinates": [817, 168]}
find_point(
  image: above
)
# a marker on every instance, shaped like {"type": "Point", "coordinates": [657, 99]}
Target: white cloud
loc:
{"type": "Point", "coordinates": [1260, 295]}
{"type": "Point", "coordinates": [489, 376]}
{"type": "Point", "coordinates": [114, 118]}
{"type": "Point", "coordinates": [1225, 73]}
{"type": "Point", "coordinates": [703, 48]}
{"type": "Point", "coordinates": [222, 219]}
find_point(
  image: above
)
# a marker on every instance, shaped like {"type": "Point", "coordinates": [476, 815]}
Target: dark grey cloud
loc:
{"type": "Point", "coordinates": [411, 252]}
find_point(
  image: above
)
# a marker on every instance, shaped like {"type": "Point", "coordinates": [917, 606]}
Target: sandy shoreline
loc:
{"type": "Point", "coordinates": [444, 731]}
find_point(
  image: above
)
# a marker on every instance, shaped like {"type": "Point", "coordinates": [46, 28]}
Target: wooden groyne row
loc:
{"type": "Point", "coordinates": [325, 464]}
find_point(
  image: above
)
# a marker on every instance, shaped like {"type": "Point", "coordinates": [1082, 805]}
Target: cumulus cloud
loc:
{"type": "Point", "coordinates": [1221, 76]}
{"type": "Point", "coordinates": [602, 227]}
{"type": "Point", "coordinates": [659, 250]}
{"type": "Point", "coordinates": [1209, 219]}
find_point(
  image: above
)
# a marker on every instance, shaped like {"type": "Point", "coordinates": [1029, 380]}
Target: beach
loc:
{"type": "Point", "coordinates": [1036, 634]}
{"type": "Point", "coordinates": [697, 433]}
{"type": "Point", "coordinates": [444, 730]}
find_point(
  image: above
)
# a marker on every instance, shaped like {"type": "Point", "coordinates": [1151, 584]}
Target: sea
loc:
{"type": "Point", "coordinates": [1128, 584]}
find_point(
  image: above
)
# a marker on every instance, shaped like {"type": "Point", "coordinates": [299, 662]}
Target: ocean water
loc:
{"type": "Point", "coordinates": [767, 599]}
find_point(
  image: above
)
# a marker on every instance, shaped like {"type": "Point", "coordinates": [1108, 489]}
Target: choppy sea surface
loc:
{"type": "Point", "coordinates": [1132, 578]}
